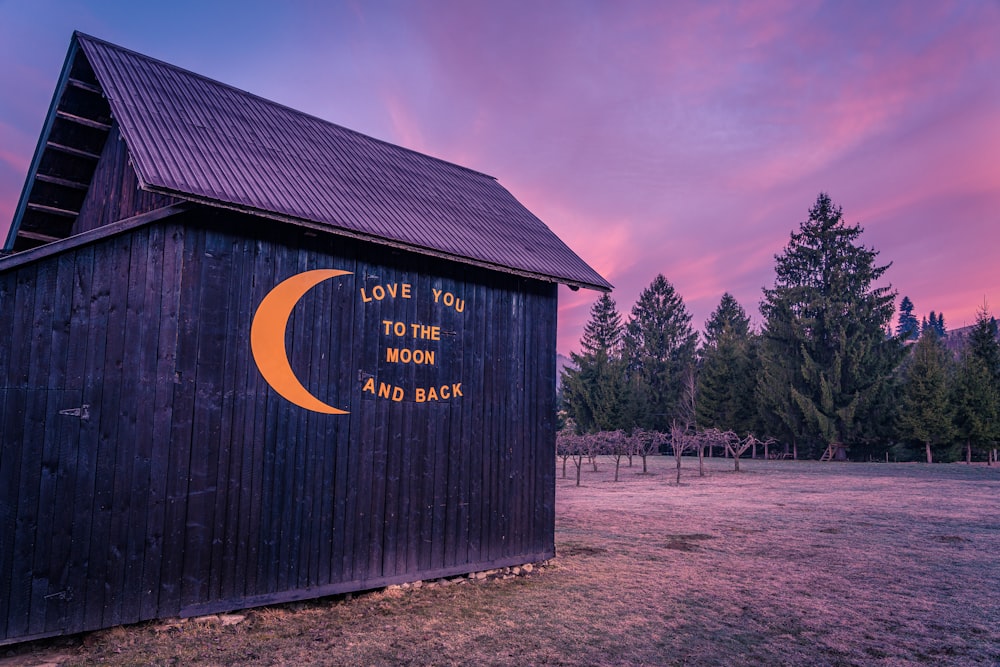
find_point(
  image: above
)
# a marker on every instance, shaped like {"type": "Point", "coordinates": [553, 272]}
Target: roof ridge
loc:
{"type": "Point", "coordinates": [77, 34]}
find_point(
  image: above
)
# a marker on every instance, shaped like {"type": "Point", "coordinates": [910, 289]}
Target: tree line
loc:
{"type": "Point", "coordinates": [825, 373]}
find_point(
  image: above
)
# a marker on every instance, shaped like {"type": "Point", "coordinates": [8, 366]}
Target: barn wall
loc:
{"type": "Point", "coordinates": [114, 192]}
{"type": "Point", "coordinates": [147, 470]}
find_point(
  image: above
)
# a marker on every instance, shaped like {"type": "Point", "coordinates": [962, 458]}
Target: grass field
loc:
{"type": "Point", "coordinates": [785, 563]}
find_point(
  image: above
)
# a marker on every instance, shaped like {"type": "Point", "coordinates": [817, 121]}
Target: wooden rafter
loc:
{"type": "Point", "coordinates": [72, 151]}
{"type": "Point", "coordinates": [65, 182]}
{"type": "Point", "coordinates": [80, 120]}
{"type": "Point", "coordinates": [41, 208]}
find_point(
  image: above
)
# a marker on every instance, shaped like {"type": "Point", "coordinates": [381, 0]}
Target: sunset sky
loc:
{"type": "Point", "coordinates": [683, 138]}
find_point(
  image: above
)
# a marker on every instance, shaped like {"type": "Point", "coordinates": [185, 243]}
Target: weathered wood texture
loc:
{"type": "Point", "coordinates": [147, 470]}
{"type": "Point", "coordinates": [114, 193]}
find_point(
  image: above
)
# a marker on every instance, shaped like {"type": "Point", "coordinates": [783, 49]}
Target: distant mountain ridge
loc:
{"type": "Point", "coordinates": [956, 339]}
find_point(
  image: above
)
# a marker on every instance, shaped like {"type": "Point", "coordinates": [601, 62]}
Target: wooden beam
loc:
{"type": "Point", "coordinates": [73, 118]}
{"type": "Point", "coordinates": [85, 86]}
{"type": "Point", "coordinates": [41, 208]}
{"type": "Point", "coordinates": [59, 245]}
{"type": "Point", "coordinates": [36, 236]}
{"type": "Point", "coordinates": [72, 151]}
{"type": "Point", "coordinates": [66, 183]}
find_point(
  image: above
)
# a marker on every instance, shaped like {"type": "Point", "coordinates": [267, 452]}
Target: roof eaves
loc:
{"type": "Point", "coordinates": [43, 137]}
{"type": "Point", "coordinates": [328, 228]}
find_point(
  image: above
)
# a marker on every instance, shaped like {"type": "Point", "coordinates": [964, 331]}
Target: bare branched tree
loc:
{"type": "Point", "coordinates": [645, 443]}
{"type": "Point", "coordinates": [616, 446]}
{"type": "Point", "coordinates": [681, 440]}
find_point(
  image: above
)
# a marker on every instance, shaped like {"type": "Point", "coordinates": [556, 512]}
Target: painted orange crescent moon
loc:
{"type": "Point", "coordinates": [267, 338]}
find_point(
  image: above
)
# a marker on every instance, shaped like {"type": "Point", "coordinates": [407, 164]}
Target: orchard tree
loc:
{"type": "Point", "coordinates": [596, 394]}
{"type": "Point", "coordinates": [659, 347]}
{"type": "Point", "coordinates": [925, 412]}
{"type": "Point", "coordinates": [727, 377]}
{"type": "Point", "coordinates": [825, 349]}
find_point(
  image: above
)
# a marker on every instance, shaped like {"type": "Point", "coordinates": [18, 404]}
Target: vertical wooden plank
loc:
{"type": "Point", "coordinates": [129, 499]}
{"type": "Point", "coordinates": [23, 474]}
{"type": "Point", "coordinates": [172, 585]}
{"type": "Point", "coordinates": [392, 549]}
{"type": "Point", "coordinates": [15, 318]}
{"type": "Point", "coordinates": [86, 358]}
{"type": "Point", "coordinates": [104, 585]}
{"type": "Point", "coordinates": [171, 243]}
{"type": "Point", "coordinates": [439, 445]}
{"type": "Point", "coordinates": [10, 450]}
{"type": "Point", "coordinates": [235, 442]}
{"type": "Point", "coordinates": [207, 450]}
{"type": "Point", "coordinates": [516, 435]}
{"type": "Point", "coordinates": [339, 372]}
{"type": "Point", "coordinates": [490, 427]}
{"type": "Point", "coordinates": [139, 381]}
{"type": "Point", "coordinates": [8, 281]}
{"type": "Point", "coordinates": [229, 553]}
{"type": "Point", "coordinates": [465, 343]}
{"type": "Point", "coordinates": [254, 489]}
{"type": "Point", "coordinates": [499, 489]}
{"type": "Point", "coordinates": [446, 373]}
{"type": "Point", "coordinates": [476, 396]}
{"type": "Point", "coordinates": [547, 448]}
{"type": "Point", "coordinates": [288, 448]}
{"type": "Point", "coordinates": [65, 432]}
{"type": "Point", "coordinates": [40, 479]}
{"type": "Point", "coordinates": [314, 376]}
{"type": "Point", "coordinates": [11, 436]}
{"type": "Point", "coordinates": [26, 596]}
{"type": "Point", "coordinates": [274, 507]}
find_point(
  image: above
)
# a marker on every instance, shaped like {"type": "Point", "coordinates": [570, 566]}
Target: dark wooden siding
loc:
{"type": "Point", "coordinates": [147, 470]}
{"type": "Point", "coordinates": [114, 192]}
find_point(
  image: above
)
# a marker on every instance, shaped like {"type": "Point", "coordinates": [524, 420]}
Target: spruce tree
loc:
{"type": "Point", "coordinates": [908, 327]}
{"type": "Point", "coordinates": [976, 395]}
{"type": "Point", "coordinates": [984, 342]}
{"type": "Point", "coordinates": [934, 322]}
{"type": "Point", "coordinates": [975, 402]}
{"type": "Point", "coordinates": [728, 318]}
{"type": "Point", "coordinates": [596, 393]}
{"type": "Point", "coordinates": [659, 346]}
{"type": "Point", "coordinates": [925, 414]}
{"type": "Point", "coordinates": [726, 379]}
{"type": "Point", "coordinates": [825, 350]}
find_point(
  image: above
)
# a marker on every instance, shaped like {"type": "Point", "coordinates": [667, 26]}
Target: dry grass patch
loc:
{"type": "Point", "coordinates": [791, 563]}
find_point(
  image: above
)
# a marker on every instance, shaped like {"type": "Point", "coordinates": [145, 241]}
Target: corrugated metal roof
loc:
{"type": "Point", "coordinates": [199, 139]}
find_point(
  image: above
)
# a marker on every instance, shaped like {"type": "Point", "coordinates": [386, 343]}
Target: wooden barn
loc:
{"type": "Point", "coordinates": [250, 356]}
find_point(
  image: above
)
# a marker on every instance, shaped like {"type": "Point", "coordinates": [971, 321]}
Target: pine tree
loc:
{"type": "Point", "coordinates": [908, 327]}
{"type": "Point", "coordinates": [974, 400]}
{"type": "Point", "coordinates": [924, 412]}
{"type": "Point", "coordinates": [603, 332]}
{"type": "Point", "coordinates": [659, 346]}
{"type": "Point", "coordinates": [935, 323]}
{"type": "Point", "coordinates": [596, 393]}
{"type": "Point", "coordinates": [825, 350]}
{"type": "Point", "coordinates": [728, 317]}
{"type": "Point", "coordinates": [976, 395]}
{"type": "Point", "coordinates": [726, 380]}
{"type": "Point", "coordinates": [984, 342]}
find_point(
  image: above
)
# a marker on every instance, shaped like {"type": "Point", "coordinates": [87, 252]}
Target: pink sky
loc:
{"type": "Point", "coordinates": [682, 138]}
